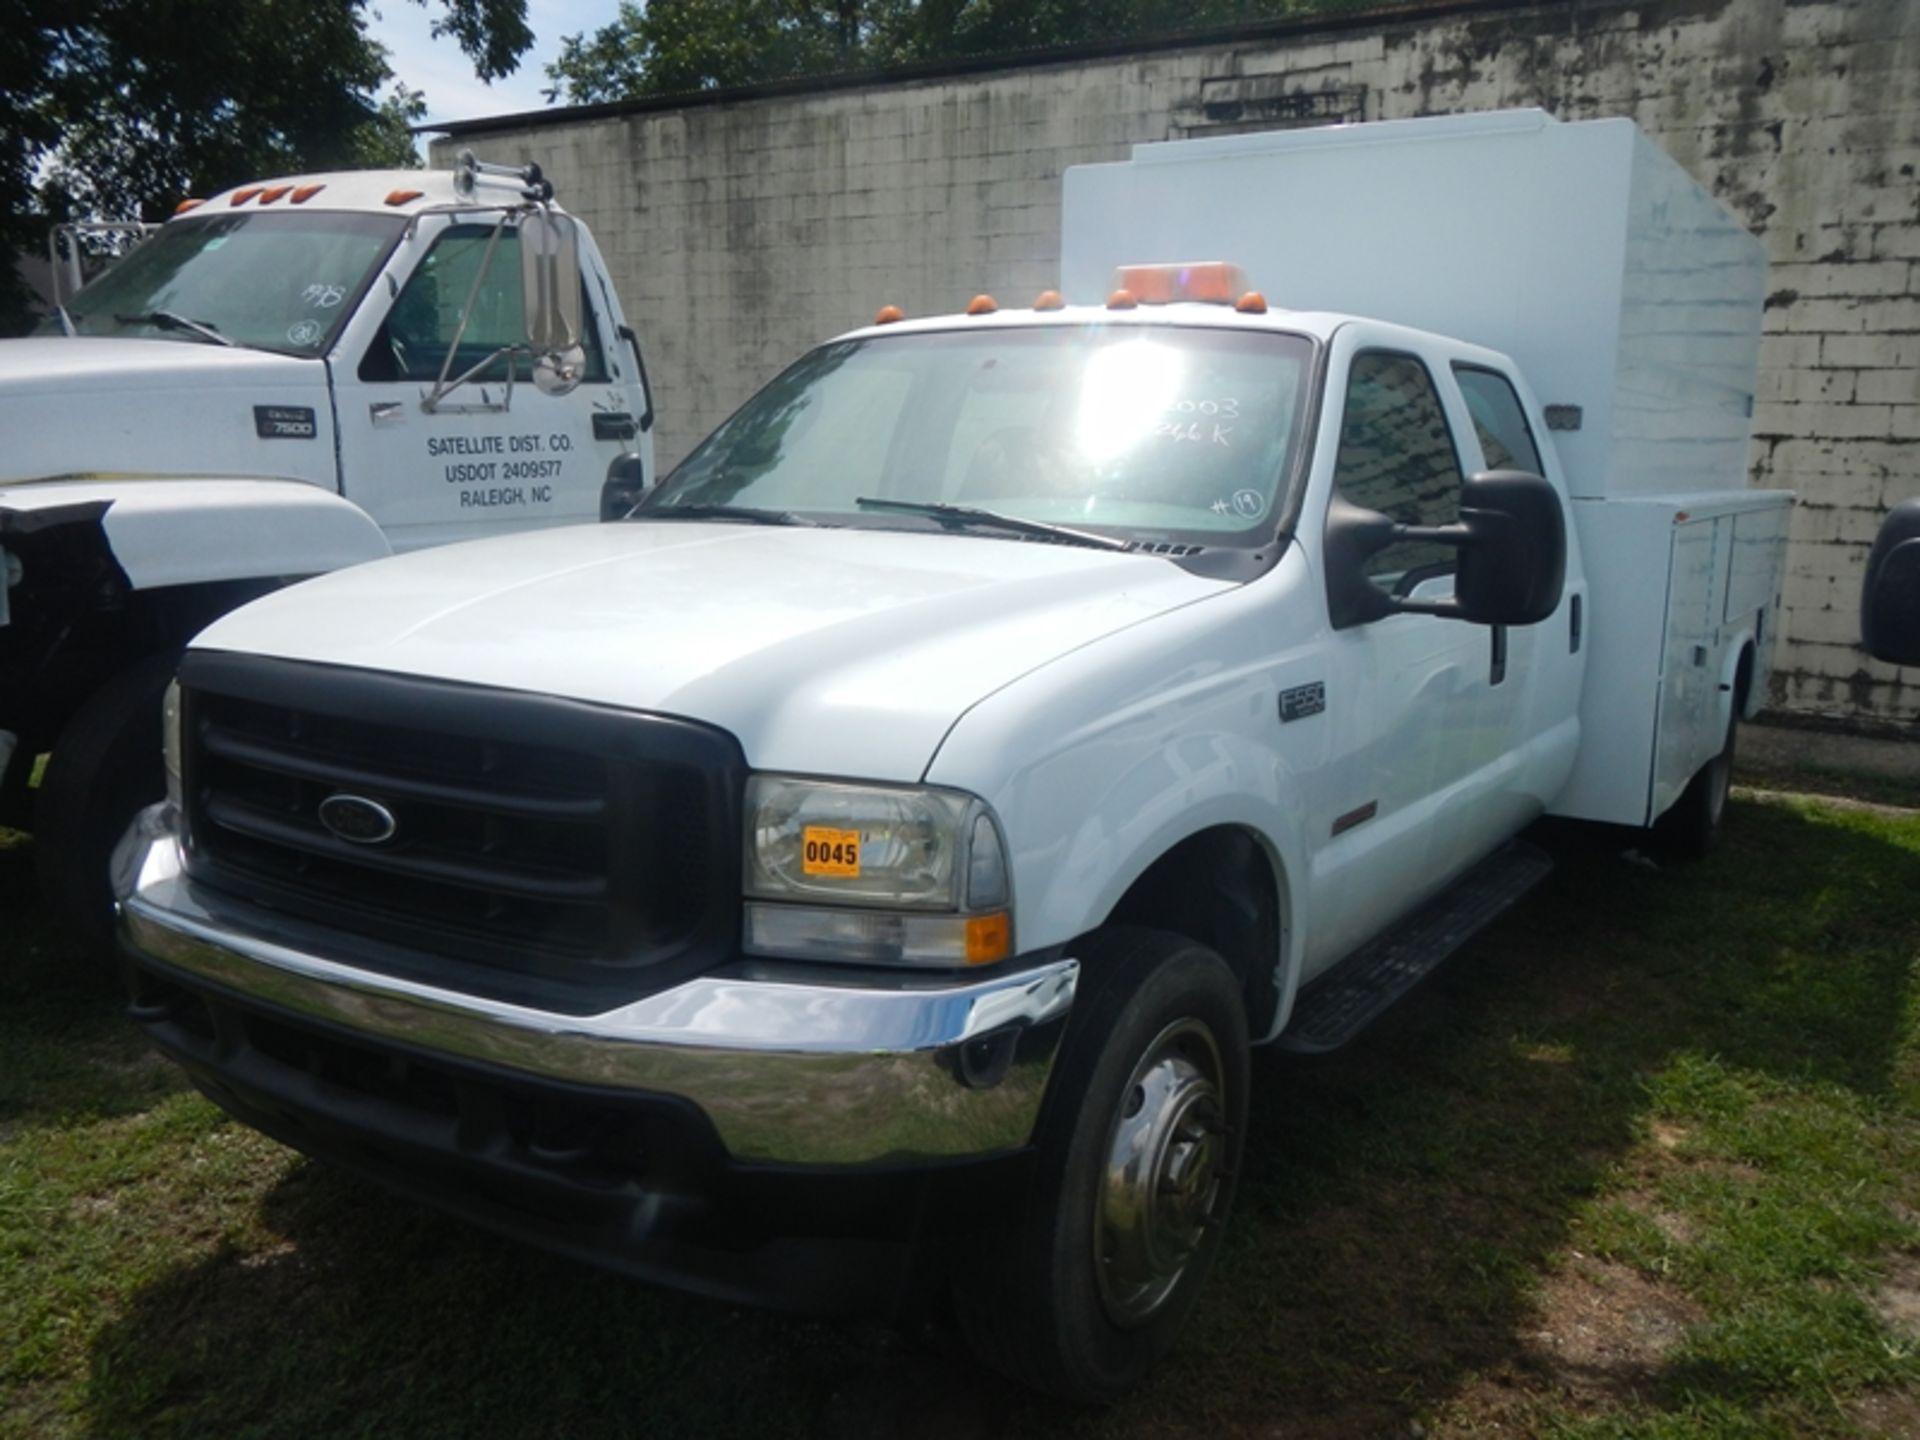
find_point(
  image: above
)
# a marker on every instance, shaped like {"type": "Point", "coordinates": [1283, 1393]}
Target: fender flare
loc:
{"type": "Point", "coordinates": [169, 531]}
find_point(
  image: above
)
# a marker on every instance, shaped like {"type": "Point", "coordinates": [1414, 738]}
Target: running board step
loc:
{"type": "Point", "coordinates": [1353, 994]}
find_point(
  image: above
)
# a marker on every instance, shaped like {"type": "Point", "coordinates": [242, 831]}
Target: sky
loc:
{"type": "Point", "coordinates": [446, 76]}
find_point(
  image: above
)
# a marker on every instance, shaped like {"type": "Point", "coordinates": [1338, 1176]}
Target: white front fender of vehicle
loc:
{"type": "Point", "coordinates": [165, 530]}
{"type": "Point", "coordinates": [1102, 762]}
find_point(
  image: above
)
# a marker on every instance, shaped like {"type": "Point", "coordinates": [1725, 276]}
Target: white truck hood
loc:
{"type": "Point", "coordinates": [91, 405]}
{"type": "Point", "coordinates": [829, 651]}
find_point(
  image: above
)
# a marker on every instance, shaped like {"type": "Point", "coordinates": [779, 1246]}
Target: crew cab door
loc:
{"type": "Point", "coordinates": [487, 456]}
{"type": "Point", "coordinates": [1407, 799]}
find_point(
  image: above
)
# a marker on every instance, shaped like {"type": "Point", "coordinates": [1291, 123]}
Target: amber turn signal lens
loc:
{"type": "Point", "coordinates": [888, 314]}
{"type": "Point", "coordinates": [989, 938]}
{"type": "Point", "coordinates": [1049, 300]}
{"type": "Point", "coordinates": [981, 305]}
{"type": "Point", "coordinates": [1251, 303]}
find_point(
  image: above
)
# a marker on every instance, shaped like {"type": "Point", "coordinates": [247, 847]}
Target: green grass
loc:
{"type": "Point", "coordinates": [1644, 1162]}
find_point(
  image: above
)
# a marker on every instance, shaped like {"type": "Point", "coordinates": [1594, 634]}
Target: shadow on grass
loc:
{"type": "Point", "coordinates": [65, 1047]}
{"type": "Point", "coordinates": [1401, 1201]}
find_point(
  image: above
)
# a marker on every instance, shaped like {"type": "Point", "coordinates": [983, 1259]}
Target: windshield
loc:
{"type": "Point", "coordinates": [1160, 434]}
{"type": "Point", "coordinates": [282, 281]}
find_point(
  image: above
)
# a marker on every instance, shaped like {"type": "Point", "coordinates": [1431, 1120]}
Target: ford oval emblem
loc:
{"type": "Point", "coordinates": [357, 819]}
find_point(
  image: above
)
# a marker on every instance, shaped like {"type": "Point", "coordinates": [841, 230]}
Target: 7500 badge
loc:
{"type": "Point", "coordinates": [284, 422]}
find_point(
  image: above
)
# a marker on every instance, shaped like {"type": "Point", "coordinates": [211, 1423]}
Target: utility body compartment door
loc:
{"type": "Point", "coordinates": [486, 458]}
{"type": "Point", "coordinates": [1681, 586]}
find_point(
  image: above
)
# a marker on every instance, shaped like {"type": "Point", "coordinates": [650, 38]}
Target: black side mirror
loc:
{"type": "Point", "coordinates": [1890, 599]}
{"type": "Point", "coordinates": [1512, 539]}
{"type": "Point", "coordinates": [625, 485]}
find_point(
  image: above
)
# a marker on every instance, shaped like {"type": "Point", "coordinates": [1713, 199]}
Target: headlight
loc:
{"type": "Point", "coordinates": [874, 874]}
{"type": "Point", "coordinates": [170, 740]}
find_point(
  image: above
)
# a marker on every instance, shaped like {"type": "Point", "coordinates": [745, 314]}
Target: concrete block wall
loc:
{"type": "Point", "coordinates": [740, 231]}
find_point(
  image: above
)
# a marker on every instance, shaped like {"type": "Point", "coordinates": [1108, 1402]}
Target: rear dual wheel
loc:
{"type": "Point", "coordinates": [1139, 1150]}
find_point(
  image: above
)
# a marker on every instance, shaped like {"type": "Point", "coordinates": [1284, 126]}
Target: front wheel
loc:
{"type": "Point", "coordinates": [1139, 1153]}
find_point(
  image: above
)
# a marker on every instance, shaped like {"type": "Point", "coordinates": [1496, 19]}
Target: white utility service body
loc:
{"type": "Point", "coordinates": [263, 390]}
{"type": "Point", "coordinates": [1262, 635]}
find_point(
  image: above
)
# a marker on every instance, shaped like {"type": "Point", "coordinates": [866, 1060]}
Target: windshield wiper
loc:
{"type": "Point", "coordinates": [958, 517]}
{"type": "Point", "coordinates": [66, 321]}
{"type": "Point", "coordinates": [167, 320]}
{"type": "Point", "coordinates": [717, 512]}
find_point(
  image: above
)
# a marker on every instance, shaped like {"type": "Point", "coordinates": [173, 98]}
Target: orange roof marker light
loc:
{"type": "Point", "coordinates": [888, 315]}
{"type": "Point", "coordinates": [241, 197]}
{"type": "Point", "coordinates": [1251, 303]}
{"type": "Point", "coordinates": [982, 305]}
{"type": "Point", "coordinates": [402, 197]}
{"type": "Point", "coordinates": [1049, 300]}
{"type": "Point", "coordinates": [306, 192]}
{"type": "Point", "coordinates": [186, 205]}
{"type": "Point", "coordinates": [1212, 282]}
{"type": "Point", "coordinates": [273, 193]}
{"type": "Point", "coordinates": [1123, 299]}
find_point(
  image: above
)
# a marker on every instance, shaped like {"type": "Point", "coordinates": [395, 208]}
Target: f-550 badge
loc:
{"type": "Point", "coordinates": [1302, 701]}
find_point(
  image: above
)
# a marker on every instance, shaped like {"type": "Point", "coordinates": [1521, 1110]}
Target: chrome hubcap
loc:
{"type": "Point", "coordinates": [1163, 1177]}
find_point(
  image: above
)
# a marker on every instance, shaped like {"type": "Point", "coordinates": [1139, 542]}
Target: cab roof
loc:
{"type": "Point", "coordinates": [366, 191]}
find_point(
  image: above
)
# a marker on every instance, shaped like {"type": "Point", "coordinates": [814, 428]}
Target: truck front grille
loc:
{"type": "Point", "coordinates": [541, 849]}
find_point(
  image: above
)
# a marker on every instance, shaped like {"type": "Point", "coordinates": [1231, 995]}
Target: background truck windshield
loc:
{"type": "Point", "coordinates": [283, 281]}
{"type": "Point", "coordinates": [1159, 433]}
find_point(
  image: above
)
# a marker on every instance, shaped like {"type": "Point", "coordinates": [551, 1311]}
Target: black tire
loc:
{"type": "Point", "coordinates": [1034, 1302]}
{"type": "Point", "coordinates": [1691, 829]}
{"type": "Point", "coordinates": [106, 766]}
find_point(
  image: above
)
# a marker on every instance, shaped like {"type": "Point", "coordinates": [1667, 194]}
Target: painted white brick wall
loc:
{"type": "Point", "coordinates": [741, 232]}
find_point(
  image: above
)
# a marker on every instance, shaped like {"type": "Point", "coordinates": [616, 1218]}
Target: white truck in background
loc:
{"type": "Point", "coordinates": [288, 377]}
{"type": "Point", "coordinates": [1058, 702]}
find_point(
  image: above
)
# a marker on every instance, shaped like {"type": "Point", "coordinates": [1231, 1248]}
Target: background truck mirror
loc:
{"type": "Point", "coordinates": [626, 483]}
{"type": "Point", "coordinates": [1890, 599]}
{"type": "Point", "coordinates": [550, 282]}
{"type": "Point", "coordinates": [1512, 538]}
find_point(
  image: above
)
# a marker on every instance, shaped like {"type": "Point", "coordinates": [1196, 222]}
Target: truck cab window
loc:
{"type": "Point", "coordinates": [1397, 457]}
{"type": "Point", "coordinates": [1498, 420]}
{"type": "Point", "coordinates": [412, 344]}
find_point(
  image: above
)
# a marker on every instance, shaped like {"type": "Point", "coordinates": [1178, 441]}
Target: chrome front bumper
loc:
{"type": "Point", "coordinates": [789, 1069]}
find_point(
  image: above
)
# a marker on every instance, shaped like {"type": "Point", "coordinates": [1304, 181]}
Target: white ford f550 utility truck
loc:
{"type": "Point", "coordinates": [889, 841]}
{"type": "Point", "coordinates": [286, 378]}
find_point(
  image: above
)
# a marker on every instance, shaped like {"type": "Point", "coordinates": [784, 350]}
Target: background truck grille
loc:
{"type": "Point", "coordinates": [543, 849]}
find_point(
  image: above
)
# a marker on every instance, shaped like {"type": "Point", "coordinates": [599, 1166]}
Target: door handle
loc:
{"type": "Point", "coordinates": [386, 412]}
{"type": "Point", "coordinates": [1498, 670]}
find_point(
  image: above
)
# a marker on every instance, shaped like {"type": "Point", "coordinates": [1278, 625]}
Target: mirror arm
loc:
{"type": "Point", "coordinates": [441, 388]}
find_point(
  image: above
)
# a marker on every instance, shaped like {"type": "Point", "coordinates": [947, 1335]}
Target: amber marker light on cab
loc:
{"type": "Point", "coordinates": [402, 197]}
{"type": "Point", "coordinates": [273, 193]}
{"type": "Point", "coordinates": [1251, 303]}
{"type": "Point", "coordinates": [306, 192]}
{"type": "Point", "coordinates": [185, 205]}
{"type": "Point", "coordinates": [888, 315]}
{"type": "Point", "coordinates": [241, 197]}
{"type": "Point", "coordinates": [1049, 300]}
{"type": "Point", "coordinates": [982, 305]}
{"type": "Point", "coordinates": [1122, 300]}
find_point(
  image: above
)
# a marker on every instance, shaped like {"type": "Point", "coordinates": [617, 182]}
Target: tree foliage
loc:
{"type": "Point", "coordinates": [673, 46]}
{"type": "Point", "coordinates": [115, 109]}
